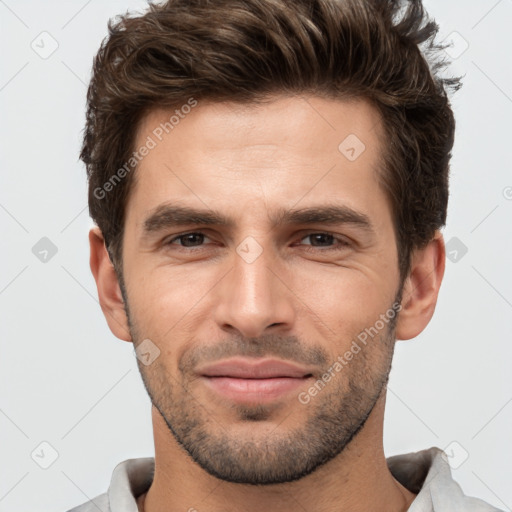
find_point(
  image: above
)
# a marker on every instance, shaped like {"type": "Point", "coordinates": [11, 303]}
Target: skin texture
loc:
{"type": "Point", "coordinates": [303, 299]}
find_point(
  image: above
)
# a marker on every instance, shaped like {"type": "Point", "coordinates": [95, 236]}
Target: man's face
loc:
{"type": "Point", "coordinates": [227, 304]}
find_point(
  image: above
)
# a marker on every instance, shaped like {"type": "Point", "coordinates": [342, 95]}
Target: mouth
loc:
{"type": "Point", "coordinates": [241, 380]}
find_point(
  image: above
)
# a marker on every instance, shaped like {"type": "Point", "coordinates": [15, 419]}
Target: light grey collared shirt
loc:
{"type": "Point", "coordinates": [426, 473]}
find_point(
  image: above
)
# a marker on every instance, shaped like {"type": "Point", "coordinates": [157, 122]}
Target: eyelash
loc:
{"type": "Point", "coordinates": [342, 241]}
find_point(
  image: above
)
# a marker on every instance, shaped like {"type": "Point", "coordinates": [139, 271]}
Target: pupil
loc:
{"type": "Point", "coordinates": [189, 238]}
{"type": "Point", "coordinates": [320, 235]}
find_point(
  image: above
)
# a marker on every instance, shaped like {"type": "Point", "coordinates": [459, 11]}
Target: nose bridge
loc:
{"type": "Point", "coordinates": [253, 282]}
{"type": "Point", "coordinates": [252, 297]}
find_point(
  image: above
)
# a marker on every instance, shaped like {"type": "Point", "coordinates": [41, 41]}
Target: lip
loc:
{"type": "Point", "coordinates": [261, 369]}
{"type": "Point", "coordinates": [243, 381]}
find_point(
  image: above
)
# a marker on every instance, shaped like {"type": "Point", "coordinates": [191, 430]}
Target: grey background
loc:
{"type": "Point", "coordinates": [67, 381]}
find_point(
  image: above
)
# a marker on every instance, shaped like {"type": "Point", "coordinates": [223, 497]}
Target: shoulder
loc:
{"type": "Point", "coordinates": [427, 473]}
{"type": "Point", "coordinates": [130, 478]}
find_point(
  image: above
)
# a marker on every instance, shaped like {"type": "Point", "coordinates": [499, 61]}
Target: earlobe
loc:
{"type": "Point", "coordinates": [109, 291]}
{"type": "Point", "coordinates": [421, 288]}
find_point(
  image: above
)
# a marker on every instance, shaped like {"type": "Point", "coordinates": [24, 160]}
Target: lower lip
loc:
{"type": "Point", "coordinates": [254, 390]}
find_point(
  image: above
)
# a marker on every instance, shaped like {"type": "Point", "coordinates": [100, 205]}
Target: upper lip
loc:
{"type": "Point", "coordinates": [259, 369]}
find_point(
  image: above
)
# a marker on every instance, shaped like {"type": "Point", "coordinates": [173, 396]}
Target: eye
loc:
{"type": "Point", "coordinates": [320, 241]}
{"type": "Point", "coordinates": [324, 241]}
{"type": "Point", "coordinates": [194, 239]}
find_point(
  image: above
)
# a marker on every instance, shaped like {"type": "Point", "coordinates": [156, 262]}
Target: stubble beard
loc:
{"type": "Point", "coordinates": [263, 456]}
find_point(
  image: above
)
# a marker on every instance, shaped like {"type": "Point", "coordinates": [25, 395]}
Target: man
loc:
{"type": "Point", "coordinates": [268, 179]}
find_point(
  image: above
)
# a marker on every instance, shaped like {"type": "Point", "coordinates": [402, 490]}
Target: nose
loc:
{"type": "Point", "coordinates": [253, 297]}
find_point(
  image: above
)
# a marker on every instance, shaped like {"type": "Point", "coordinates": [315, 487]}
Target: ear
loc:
{"type": "Point", "coordinates": [109, 291]}
{"type": "Point", "coordinates": [421, 288]}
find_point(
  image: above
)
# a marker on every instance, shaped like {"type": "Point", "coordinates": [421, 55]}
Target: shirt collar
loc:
{"type": "Point", "coordinates": [426, 473]}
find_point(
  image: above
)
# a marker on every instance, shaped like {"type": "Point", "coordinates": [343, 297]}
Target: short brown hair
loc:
{"type": "Point", "coordinates": [383, 51]}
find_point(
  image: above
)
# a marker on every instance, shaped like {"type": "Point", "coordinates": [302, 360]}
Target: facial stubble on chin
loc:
{"type": "Point", "coordinates": [332, 418]}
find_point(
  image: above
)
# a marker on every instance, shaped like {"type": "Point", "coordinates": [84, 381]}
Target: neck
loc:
{"type": "Point", "coordinates": [357, 480]}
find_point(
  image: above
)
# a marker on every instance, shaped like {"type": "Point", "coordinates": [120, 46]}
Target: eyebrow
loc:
{"type": "Point", "coordinates": [168, 215]}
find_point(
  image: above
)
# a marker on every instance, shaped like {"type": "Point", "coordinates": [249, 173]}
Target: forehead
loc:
{"type": "Point", "coordinates": [306, 122]}
{"type": "Point", "coordinates": [228, 156]}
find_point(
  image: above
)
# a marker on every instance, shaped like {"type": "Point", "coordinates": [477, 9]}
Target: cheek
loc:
{"type": "Point", "coordinates": [163, 297]}
{"type": "Point", "coordinates": [338, 305]}
{"type": "Point", "coordinates": [343, 295]}
{"type": "Point", "coordinates": [331, 302]}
